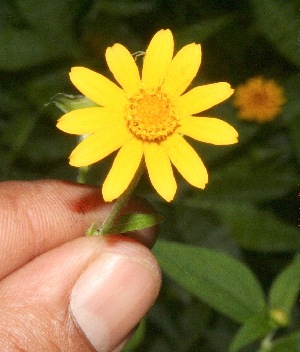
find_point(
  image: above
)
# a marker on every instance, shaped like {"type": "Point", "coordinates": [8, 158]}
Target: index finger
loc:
{"type": "Point", "coordinates": [40, 215]}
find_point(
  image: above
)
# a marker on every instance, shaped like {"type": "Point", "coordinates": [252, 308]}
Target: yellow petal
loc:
{"type": "Point", "coordinates": [97, 87]}
{"type": "Point", "coordinates": [182, 70]}
{"type": "Point", "coordinates": [160, 170]}
{"type": "Point", "coordinates": [123, 170]}
{"type": "Point", "coordinates": [89, 120]}
{"type": "Point", "coordinates": [99, 145]}
{"type": "Point", "coordinates": [122, 65]}
{"type": "Point", "coordinates": [203, 97]}
{"type": "Point", "coordinates": [208, 130]}
{"type": "Point", "coordinates": [157, 59]}
{"type": "Point", "coordinates": [186, 160]}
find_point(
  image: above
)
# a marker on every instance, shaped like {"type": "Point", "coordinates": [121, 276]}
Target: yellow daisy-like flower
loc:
{"type": "Point", "coordinates": [147, 117]}
{"type": "Point", "coordinates": [259, 99]}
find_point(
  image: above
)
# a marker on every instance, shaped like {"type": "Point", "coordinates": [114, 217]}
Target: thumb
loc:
{"type": "Point", "coordinates": [86, 295]}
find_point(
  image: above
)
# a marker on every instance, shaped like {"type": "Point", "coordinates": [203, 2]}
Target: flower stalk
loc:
{"type": "Point", "coordinates": [118, 206]}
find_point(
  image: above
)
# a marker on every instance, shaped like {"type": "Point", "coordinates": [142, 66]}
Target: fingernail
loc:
{"type": "Point", "coordinates": [111, 296]}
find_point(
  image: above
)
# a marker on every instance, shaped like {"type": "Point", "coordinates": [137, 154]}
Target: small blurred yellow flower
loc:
{"type": "Point", "coordinates": [259, 99]}
{"type": "Point", "coordinates": [279, 317]}
{"type": "Point", "coordinates": [147, 117]}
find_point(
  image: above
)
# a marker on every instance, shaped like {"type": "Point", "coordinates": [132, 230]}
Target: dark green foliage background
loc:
{"type": "Point", "coordinates": [250, 208]}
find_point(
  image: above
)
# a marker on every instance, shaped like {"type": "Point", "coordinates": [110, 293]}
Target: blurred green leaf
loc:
{"type": "Point", "coordinates": [295, 134]}
{"type": "Point", "coordinates": [69, 102]}
{"type": "Point", "coordinates": [201, 31]}
{"type": "Point", "coordinates": [23, 48]}
{"type": "Point", "coordinates": [122, 8]}
{"type": "Point", "coordinates": [217, 279]}
{"type": "Point", "coordinates": [288, 343]}
{"type": "Point", "coordinates": [44, 87]}
{"type": "Point", "coordinates": [254, 328]}
{"type": "Point", "coordinates": [40, 147]}
{"type": "Point", "coordinates": [251, 182]}
{"type": "Point", "coordinates": [41, 40]}
{"type": "Point", "coordinates": [14, 138]}
{"type": "Point", "coordinates": [279, 22]}
{"type": "Point", "coordinates": [258, 230]}
{"type": "Point", "coordinates": [285, 288]}
{"type": "Point", "coordinates": [53, 15]}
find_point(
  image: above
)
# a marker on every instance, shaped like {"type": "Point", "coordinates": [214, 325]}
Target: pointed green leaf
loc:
{"type": "Point", "coordinates": [67, 102]}
{"type": "Point", "coordinates": [285, 288]}
{"type": "Point", "coordinates": [128, 223]}
{"type": "Point", "coordinates": [254, 328]}
{"type": "Point", "coordinates": [134, 222]}
{"type": "Point", "coordinates": [219, 280]}
{"type": "Point", "coordinates": [279, 22]}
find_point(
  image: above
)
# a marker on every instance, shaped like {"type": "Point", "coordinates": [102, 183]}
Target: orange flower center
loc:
{"type": "Point", "coordinates": [260, 98]}
{"type": "Point", "coordinates": [151, 116]}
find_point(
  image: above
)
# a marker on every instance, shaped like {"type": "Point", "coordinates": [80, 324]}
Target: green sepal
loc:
{"type": "Point", "coordinates": [68, 102]}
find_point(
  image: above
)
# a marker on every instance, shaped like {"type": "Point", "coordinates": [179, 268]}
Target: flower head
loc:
{"type": "Point", "coordinates": [147, 117]}
{"type": "Point", "coordinates": [259, 99]}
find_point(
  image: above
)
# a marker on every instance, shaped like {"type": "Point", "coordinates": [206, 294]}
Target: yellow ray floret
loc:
{"type": "Point", "coordinates": [147, 117]}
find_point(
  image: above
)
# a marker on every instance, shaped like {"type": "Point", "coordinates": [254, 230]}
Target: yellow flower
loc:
{"type": "Point", "coordinates": [147, 117]}
{"type": "Point", "coordinates": [259, 99]}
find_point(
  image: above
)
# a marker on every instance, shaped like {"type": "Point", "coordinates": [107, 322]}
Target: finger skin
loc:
{"type": "Point", "coordinates": [38, 216]}
{"type": "Point", "coordinates": [35, 311]}
{"type": "Point", "coordinates": [41, 215]}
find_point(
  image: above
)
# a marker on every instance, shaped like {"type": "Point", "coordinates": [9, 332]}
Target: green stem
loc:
{"type": "Point", "coordinates": [82, 174]}
{"type": "Point", "coordinates": [118, 206]}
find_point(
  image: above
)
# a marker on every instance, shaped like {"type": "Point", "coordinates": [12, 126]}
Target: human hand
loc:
{"type": "Point", "coordinates": [60, 291]}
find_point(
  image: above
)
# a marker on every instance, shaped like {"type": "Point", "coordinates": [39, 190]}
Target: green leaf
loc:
{"type": "Point", "coordinates": [128, 223]}
{"type": "Point", "coordinates": [15, 137]}
{"type": "Point", "coordinates": [295, 132]}
{"type": "Point", "coordinates": [201, 31]}
{"type": "Point", "coordinates": [134, 222]}
{"type": "Point", "coordinates": [258, 230]}
{"type": "Point", "coordinates": [39, 148]}
{"type": "Point", "coordinates": [41, 39]}
{"type": "Point", "coordinates": [217, 279]}
{"type": "Point", "coordinates": [254, 328]}
{"type": "Point", "coordinates": [251, 183]}
{"type": "Point", "coordinates": [285, 288]}
{"type": "Point", "coordinates": [289, 343]}
{"type": "Point", "coordinates": [122, 8]}
{"type": "Point", "coordinates": [67, 102]}
{"type": "Point", "coordinates": [34, 13]}
{"type": "Point", "coordinates": [23, 48]}
{"type": "Point", "coordinates": [279, 22]}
